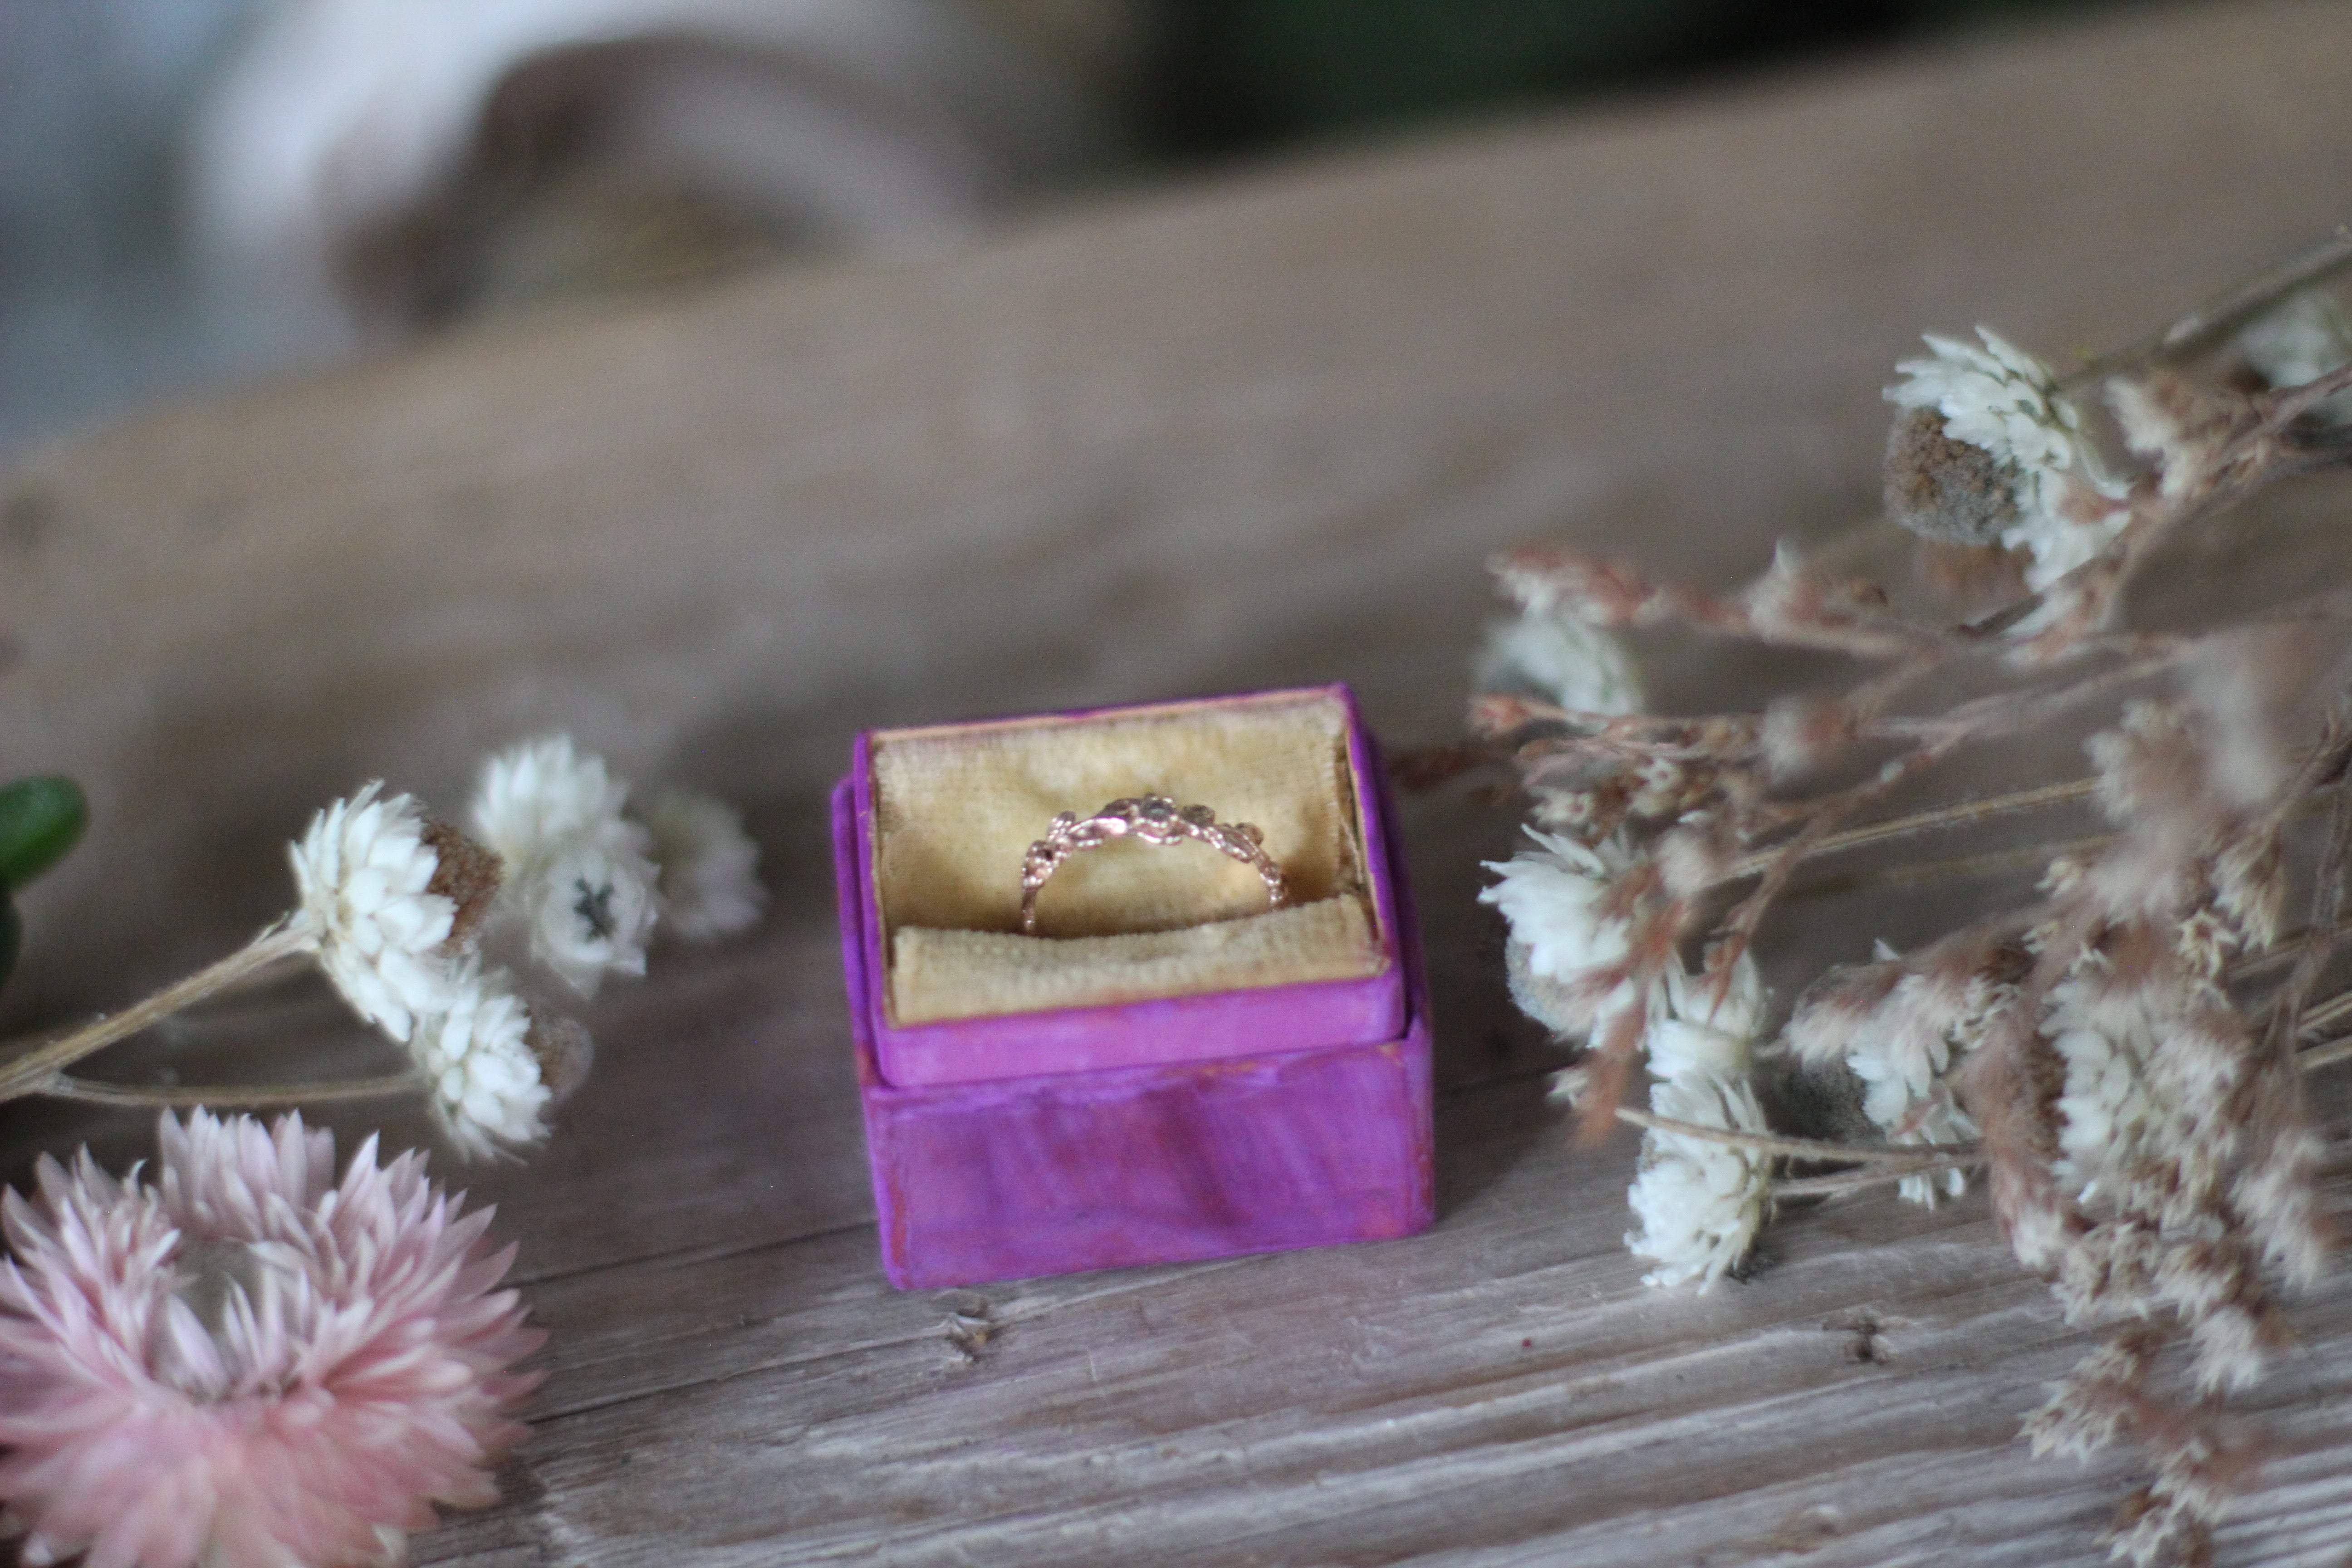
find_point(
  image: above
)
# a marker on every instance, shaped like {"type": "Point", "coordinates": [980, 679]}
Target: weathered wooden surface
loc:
{"type": "Point", "coordinates": [1257, 433]}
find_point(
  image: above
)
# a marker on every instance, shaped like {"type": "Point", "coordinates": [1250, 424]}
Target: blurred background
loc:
{"type": "Point", "coordinates": [196, 192]}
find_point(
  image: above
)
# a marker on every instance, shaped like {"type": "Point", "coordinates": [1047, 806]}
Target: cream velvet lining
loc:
{"type": "Point", "coordinates": [955, 807]}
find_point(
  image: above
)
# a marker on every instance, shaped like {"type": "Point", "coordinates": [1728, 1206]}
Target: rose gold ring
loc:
{"type": "Point", "coordinates": [1153, 819]}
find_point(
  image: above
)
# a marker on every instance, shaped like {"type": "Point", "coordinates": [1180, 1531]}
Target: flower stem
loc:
{"type": "Point", "coordinates": [251, 1096]}
{"type": "Point", "coordinates": [2025, 857]}
{"type": "Point", "coordinates": [1959, 815]}
{"type": "Point", "coordinates": [1801, 1148]}
{"type": "Point", "coordinates": [2224, 312]}
{"type": "Point", "coordinates": [1858, 1180]}
{"type": "Point", "coordinates": [27, 1073]}
{"type": "Point", "coordinates": [2313, 1057]}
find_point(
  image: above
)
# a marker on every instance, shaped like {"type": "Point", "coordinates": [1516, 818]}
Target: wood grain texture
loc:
{"type": "Point", "coordinates": [1259, 433]}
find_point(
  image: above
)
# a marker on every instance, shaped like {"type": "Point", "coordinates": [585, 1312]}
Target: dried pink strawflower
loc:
{"type": "Point", "coordinates": [249, 1362]}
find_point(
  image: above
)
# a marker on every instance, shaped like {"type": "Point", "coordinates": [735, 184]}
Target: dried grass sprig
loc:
{"type": "Point", "coordinates": [2121, 1052]}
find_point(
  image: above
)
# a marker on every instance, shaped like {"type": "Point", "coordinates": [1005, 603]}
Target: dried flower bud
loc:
{"type": "Point", "coordinates": [2280, 1198]}
{"type": "Point", "coordinates": [364, 869]}
{"type": "Point", "coordinates": [1572, 810]}
{"type": "Point", "coordinates": [2204, 941]}
{"type": "Point", "coordinates": [2063, 878]}
{"type": "Point", "coordinates": [1803, 732]}
{"type": "Point", "coordinates": [1693, 855]}
{"type": "Point", "coordinates": [1972, 579]}
{"type": "Point", "coordinates": [2240, 682]}
{"type": "Point", "coordinates": [487, 1088]}
{"type": "Point", "coordinates": [1658, 787]}
{"type": "Point", "coordinates": [1598, 592]}
{"type": "Point", "coordinates": [1560, 657]}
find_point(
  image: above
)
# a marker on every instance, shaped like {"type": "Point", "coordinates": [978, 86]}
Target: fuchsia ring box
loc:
{"type": "Point", "coordinates": [1169, 1068]}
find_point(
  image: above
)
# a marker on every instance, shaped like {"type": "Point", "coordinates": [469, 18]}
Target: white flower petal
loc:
{"type": "Point", "coordinates": [1551, 896]}
{"type": "Point", "coordinates": [361, 868]}
{"type": "Point", "coordinates": [486, 1086]}
{"type": "Point", "coordinates": [542, 793]}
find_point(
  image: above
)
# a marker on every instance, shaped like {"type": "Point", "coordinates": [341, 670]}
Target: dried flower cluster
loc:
{"type": "Point", "coordinates": [457, 946]}
{"type": "Point", "coordinates": [248, 1360]}
{"type": "Point", "coordinates": [2122, 1050]}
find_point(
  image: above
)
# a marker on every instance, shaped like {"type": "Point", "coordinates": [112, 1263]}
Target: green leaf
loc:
{"type": "Point", "coordinates": [9, 933]}
{"type": "Point", "coordinates": [40, 819]}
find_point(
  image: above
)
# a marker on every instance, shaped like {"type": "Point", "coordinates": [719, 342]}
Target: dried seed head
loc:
{"type": "Point", "coordinates": [1940, 489]}
{"type": "Point", "coordinates": [564, 1052]}
{"type": "Point", "coordinates": [468, 875]}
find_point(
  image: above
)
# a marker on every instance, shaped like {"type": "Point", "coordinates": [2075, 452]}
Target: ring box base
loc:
{"type": "Point", "coordinates": [1258, 1149]}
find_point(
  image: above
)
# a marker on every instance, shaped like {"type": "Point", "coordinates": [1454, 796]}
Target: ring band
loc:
{"type": "Point", "coordinates": [1154, 820]}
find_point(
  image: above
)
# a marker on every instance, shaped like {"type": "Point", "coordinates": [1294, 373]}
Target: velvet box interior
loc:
{"type": "Point", "coordinates": [1168, 1069]}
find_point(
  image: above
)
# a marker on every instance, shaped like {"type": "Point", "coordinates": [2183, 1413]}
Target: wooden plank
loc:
{"type": "Point", "coordinates": [1261, 432]}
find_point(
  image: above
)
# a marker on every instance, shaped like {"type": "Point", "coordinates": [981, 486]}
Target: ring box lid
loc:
{"type": "Point", "coordinates": [1149, 954]}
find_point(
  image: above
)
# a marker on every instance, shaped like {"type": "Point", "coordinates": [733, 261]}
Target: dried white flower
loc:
{"type": "Point", "coordinates": [2004, 402]}
{"type": "Point", "coordinates": [2001, 398]}
{"type": "Point", "coordinates": [477, 1060]}
{"type": "Point", "coordinates": [1698, 1203]}
{"type": "Point", "coordinates": [1552, 652]}
{"type": "Point", "coordinates": [1698, 1034]}
{"type": "Point", "coordinates": [537, 796]}
{"type": "Point", "coordinates": [590, 907]}
{"type": "Point", "coordinates": [363, 869]}
{"type": "Point", "coordinates": [2057, 545]}
{"type": "Point", "coordinates": [2300, 341]}
{"type": "Point", "coordinates": [710, 866]}
{"type": "Point", "coordinates": [1562, 939]}
{"type": "Point", "coordinates": [1903, 1055]}
{"type": "Point", "coordinates": [2189, 432]}
{"type": "Point", "coordinates": [2105, 1110]}
{"type": "Point", "coordinates": [578, 871]}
